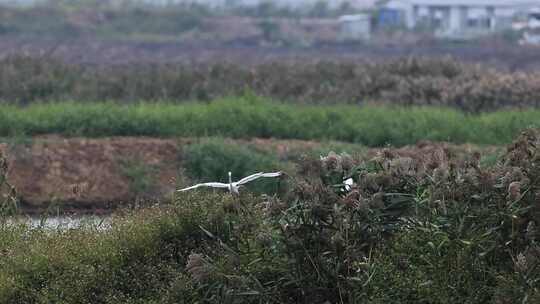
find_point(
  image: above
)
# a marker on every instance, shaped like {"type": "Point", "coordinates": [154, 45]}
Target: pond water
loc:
{"type": "Point", "coordinates": [63, 222]}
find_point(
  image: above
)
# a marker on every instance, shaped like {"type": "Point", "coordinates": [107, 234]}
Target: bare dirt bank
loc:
{"type": "Point", "coordinates": [89, 51]}
{"type": "Point", "coordinates": [89, 173]}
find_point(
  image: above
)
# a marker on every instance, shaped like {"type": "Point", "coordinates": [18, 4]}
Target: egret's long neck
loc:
{"type": "Point", "coordinates": [230, 178]}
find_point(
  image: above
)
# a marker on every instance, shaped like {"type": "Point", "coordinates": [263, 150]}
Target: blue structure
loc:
{"type": "Point", "coordinates": [388, 17]}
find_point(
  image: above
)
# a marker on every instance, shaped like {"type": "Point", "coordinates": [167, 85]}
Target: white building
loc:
{"type": "Point", "coordinates": [355, 27]}
{"type": "Point", "coordinates": [461, 19]}
{"type": "Point", "coordinates": [531, 34]}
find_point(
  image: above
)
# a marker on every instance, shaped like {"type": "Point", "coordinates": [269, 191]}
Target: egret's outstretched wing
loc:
{"type": "Point", "coordinates": [255, 176]}
{"type": "Point", "coordinates": [272, 174]}
{"type": "Point", "coordinates": [212, 185]}
{"type": "Point", "coordinates": [247, 179]}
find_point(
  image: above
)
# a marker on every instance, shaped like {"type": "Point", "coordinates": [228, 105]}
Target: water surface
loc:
{"type": "Point", "coordinates": [63, 222]}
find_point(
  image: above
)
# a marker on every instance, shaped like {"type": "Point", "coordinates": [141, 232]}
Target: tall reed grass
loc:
{"type": "Point", "coordinates": [404, 82]}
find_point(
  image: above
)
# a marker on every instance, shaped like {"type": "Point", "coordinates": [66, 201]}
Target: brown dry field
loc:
{"type": "Point", "coordinates": [93, 51]}
{"type": "Point", "coordinates": [86, 175]}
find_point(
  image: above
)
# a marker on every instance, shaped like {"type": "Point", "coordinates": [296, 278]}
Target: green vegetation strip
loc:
{"type": "Point", "coordinates": [249, 116]}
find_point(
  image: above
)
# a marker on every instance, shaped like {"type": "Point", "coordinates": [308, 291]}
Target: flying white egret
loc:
{"type": "Point", "coordinates": [234, 186]}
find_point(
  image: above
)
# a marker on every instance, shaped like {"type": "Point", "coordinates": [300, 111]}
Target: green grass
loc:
{"type": "Point", "coordinates": [133, 262]}
{"type": "Point", "coordinates": [141, 176]}
{"type": "Point", "coordinates": [248, 117]}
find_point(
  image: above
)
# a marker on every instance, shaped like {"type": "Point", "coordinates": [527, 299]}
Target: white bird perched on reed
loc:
{"type": "Point", "coordinates": [348, 184]}
{"type": "Point", "coordinates": [234, 186]}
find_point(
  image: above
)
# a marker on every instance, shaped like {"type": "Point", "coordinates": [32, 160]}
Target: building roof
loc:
{"type": "Point", "coordinates": [497, 3]}
{"type": "Point", "coordinates": [353, 18]}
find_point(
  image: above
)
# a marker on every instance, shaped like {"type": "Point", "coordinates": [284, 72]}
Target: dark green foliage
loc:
{"type": "Point", "coordinates": [211, 160]}
{"type": "Point", "coordinates": [248, 117]}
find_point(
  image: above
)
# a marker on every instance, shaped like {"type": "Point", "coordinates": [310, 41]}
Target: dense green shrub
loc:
{"type": "Point", "coordinates": [404, 82]}
{"type": "Point", "coordinates": [249, 117]}
{"type": "Point", "coordinates": [211, 160]}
